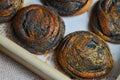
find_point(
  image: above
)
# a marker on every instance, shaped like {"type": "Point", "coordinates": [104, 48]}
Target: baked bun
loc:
{"type": "Point", "coordinates": [83, 54]}
{"type": "Point", "coordinates": [39, 28]}
{"type": "Point", "coordinates": [105, 20]}
{"type": "Point", "coordinates": [8, 8]}
{"type": "Point", "coordinates": [69, 7]}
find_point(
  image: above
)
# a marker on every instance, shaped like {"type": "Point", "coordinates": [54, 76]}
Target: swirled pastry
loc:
{"type": "Point", "coordinates": [83, 54]}
{"type": "Point", "coordinates": [105, 20]}
{"type": "Point", "coordinates": [69, 7]}
{"type": "Point", "coordinates": [38, 27]}
{"type": "Point", "coordinates": [8, 8]}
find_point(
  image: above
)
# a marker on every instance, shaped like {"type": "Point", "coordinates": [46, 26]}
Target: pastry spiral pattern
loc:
{"type": "Point", "coordinates": [8, 8]}
{"type": "Point", "coordinates": [69, 7]}
{"type": "Point", "coordinates": [38, 27]}
{"type": "Point", "coordinates": [83, 54]}
{"type": "Point", "coordinates": [105, 20]}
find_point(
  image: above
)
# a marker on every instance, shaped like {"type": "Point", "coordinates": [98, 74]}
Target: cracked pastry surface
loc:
{"type": "Point", "coordinates": [69, 7]}
{"type": "Point", "coordinates": [8, 8]}
{"type": "Point", "coordinates": [83, 54]}
{"type": "Point", "coordinates": [39, 28]}
{"type": "Point", "coordinates": [105, 20]}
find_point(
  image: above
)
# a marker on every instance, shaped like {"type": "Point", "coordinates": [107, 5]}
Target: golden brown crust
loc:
{"type": "Point", "coordinates": [39, 28]}
{"type": "Point", "coordinates": [8, 8]}
{"type": "Point", "coordinates": [69, 8]}
{"type": "Point", "coordinates": [105, 20]}
{"type": "Point", "coordinates": [84, 54]}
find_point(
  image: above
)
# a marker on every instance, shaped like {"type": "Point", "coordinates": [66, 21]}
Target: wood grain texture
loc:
{"type": "Point", "coordinates": [69, 7]}
{"type": "Point", "coordinates": [105, 20]}
{"type": "Point", "coordinates": [83, 54]}
{"type": "Point", "coordinates": [39, 28]}
{"type": "Point", "coordinates": [8, 8]}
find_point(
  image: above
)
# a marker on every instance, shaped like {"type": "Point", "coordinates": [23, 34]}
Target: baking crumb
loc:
{"type": "Point", "coordinates": [48, 58]}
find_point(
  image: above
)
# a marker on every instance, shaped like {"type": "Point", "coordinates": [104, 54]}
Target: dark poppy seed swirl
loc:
{"type": "Point", "coordinates": [83, 54]}
{"type": "Point", "coordinates": [39, 28]}
{"type": "Point", "coordinates": [105, 20]}
{"type": "Point", "coordinates": [69, 7]}
{"type": "Point", "coordinates": [8, 9]}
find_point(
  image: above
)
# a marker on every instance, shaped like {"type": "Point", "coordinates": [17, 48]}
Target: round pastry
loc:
{"type": "Point", "coordinates": [8, 8]}
{"type": "Point", "coordinates": [69, 7]}
{"type": "Point", "coordinates": [38, 27]}
{"type": "Point", "coordinates": [83, 54]}
{"type": "Point", "coordinates": [105, 20]}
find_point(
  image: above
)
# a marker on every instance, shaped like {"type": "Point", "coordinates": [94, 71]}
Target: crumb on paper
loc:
{"type": "Point", "coordinates": [48, 58]}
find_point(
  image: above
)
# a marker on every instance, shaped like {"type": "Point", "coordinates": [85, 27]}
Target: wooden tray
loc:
{"type": "Point", "coordinates": [40, 64]}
